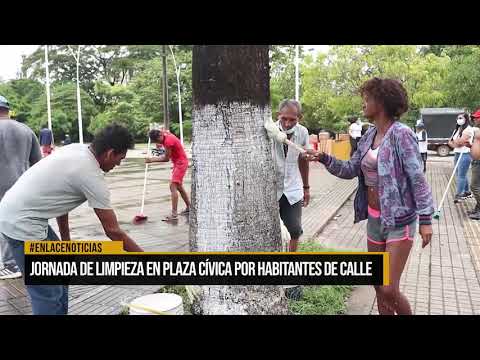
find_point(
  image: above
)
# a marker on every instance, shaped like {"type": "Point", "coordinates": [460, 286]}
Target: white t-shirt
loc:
{"type": "Point", "coordinates": [463, 149]}
{"type": "Point", "coordinates": [422, 141]}
{"type": "Point", "coordinates": [289, 179]}
{"type": "Point", "coordinates": [51, 188]}
{"type": "Point", "coordinates": [355, 130]}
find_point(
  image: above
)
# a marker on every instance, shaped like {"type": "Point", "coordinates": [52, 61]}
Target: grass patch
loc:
{"type": "Point", "coordinates": [323, 299]}
{"type": "Point", "coordinates": [312, 246]}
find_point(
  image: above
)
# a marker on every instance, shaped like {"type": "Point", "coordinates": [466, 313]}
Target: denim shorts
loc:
{"type": "Point", "coordinates": [378, 234]}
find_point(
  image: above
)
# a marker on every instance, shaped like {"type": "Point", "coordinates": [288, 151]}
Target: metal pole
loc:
{"type": "Point", "coordinates": [180, 116]}
{"type": "Point", "coordinates": [165, 89]}
{"type": "Point", "coordinates": [79, 102]}
{"type": "Point", "coordinates": [49, 110]}
{"type": "Point", "coordinates": [297, 80]}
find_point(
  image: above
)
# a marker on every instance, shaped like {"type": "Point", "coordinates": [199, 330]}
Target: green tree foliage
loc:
{"type": "Point", "coordinates": [331, 81]}
{"type": "Point", "coordinates": [21, 94]}
{"type": "Point", "coordinates": [64, 111]}
{"type": "Point", "coordinates": [123, 83]}
{"type": "Point", "coordinates": [462, 79]}
{"type": "Point", "coordinates": [282, 74]}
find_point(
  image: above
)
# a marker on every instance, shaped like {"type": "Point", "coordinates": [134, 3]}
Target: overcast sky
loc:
{"type": "Point", "coordinates": [11, 58]}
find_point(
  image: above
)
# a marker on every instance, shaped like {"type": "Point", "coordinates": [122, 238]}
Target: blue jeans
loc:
{"type": "Point", "coordinates": [6, 256]}
{"type": "Point", "coordinates": [45, 299]}
{"type": "Point", "coordinates": [461, 174]}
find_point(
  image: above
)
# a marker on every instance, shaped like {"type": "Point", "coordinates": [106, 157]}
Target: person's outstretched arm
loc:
{"type": "Point", "coordinates": [344, 169]}
{"type": "Point", "coordinates": [110, 224]}
{"type": "Point", "coordinates": [64, 227]}
{"type": "Point", "coordinates": [163, 158]}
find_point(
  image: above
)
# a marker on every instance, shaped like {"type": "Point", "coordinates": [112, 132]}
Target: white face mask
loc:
{"type": "Point", "coordinates": [288, 132]}
{"type": "Point", "coordinates": [460, 121]}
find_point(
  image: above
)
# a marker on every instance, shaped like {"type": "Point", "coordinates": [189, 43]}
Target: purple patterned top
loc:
{"type": "Point", "coordinates": [402, 188]}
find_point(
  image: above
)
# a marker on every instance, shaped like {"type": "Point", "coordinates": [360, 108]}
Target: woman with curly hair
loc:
{"type": "Point", "coordinates": [392, 191]}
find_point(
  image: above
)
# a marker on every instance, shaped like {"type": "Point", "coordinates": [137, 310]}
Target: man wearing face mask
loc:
{"type": "Point", "coordinates": [474, 146]}
{"type": "Point", "coordinates": [293, 190]}
{"type": "Point", "coordinates": [456, 142]}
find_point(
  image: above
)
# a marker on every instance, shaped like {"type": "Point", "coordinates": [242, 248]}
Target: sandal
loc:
{"type": "Point", "coordinates": [185, 212]}
{"type": "Point", "coordinates": [170, 218]}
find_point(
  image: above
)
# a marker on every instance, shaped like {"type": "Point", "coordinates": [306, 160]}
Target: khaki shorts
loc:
{"type": "Point", "coordinates": [378, 234]}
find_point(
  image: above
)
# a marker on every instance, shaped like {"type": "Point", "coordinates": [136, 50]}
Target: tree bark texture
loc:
{"type": "Point", "coordinates": [234, 205]}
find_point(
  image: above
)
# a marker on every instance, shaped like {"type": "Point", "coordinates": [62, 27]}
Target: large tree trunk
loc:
{"type": "Point", "coordinates": [234, 206]}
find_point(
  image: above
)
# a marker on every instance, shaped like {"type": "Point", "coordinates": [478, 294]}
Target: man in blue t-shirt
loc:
{"type": "Point", "coordinates": [46, 140]}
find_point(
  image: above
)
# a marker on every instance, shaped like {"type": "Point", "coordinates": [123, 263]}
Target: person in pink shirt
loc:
{"type": "Point", "coordinates": [173, 151]}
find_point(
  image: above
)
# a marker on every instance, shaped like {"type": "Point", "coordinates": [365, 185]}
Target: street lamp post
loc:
{"type": "Point", "coordinates": [166, 121]}
{"type": "Point", "coordinates": [79, 102]}
{"type": "Point", "coordinates": [177, 72]}
{"type": "Point", "coordinates": [47, 75]}
{"type": "Point", "coordinates": [297, 75]}
{"type": "Point", "coordinates": [297, 70]}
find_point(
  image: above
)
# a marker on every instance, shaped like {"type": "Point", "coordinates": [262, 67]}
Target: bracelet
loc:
{"type": "Point", "coordinates": [306, 187]}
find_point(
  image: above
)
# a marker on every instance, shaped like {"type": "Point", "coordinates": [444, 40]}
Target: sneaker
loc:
{"type": "Point", "coordinates": [10, 273]}
{"type": "Point", "coordinates": [467, 195]}
{"type": "Point", "coordinates": [475, 216]}
{"type": "Point", "coordinates": [457, 199]}
{"type": "Point", "coordinates": [170, 218]}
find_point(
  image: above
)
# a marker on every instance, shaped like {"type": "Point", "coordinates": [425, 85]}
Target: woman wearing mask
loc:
{"type": "Point", "coordinates": [392, 192]}
{"type": "Point", "coordinates": [463, 187]}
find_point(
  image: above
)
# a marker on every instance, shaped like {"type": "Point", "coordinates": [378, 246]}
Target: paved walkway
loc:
{"type": "Point", "coordinates": [443, 278]}
{"type": "Point", "coordinates": [126, 184]}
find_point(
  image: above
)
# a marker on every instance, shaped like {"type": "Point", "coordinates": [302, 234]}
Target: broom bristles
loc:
{"type": "Point", "coordinates": [139, 219]}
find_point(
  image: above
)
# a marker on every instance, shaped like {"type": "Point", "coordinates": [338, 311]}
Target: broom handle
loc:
{"type": "Point", "coordinates": [449, 182]}
{"type": "Point", "coordinates": [292, 144]}
{"type": "Point", "coordinates": [145, 177]}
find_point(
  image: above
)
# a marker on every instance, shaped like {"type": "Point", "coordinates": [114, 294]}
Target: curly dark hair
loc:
{"type": "Point", "coordinates": [390, 93]}
{"type": "Point", "coordinates": [114, 136]}
{"type": "Point", "coordinates": [154, 134]}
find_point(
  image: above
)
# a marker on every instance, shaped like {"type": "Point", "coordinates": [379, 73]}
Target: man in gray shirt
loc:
{"type": "Point", "coordinates": [52, 189]}
{"type": "Point", "coordinates": [19, 149]}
